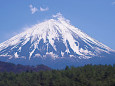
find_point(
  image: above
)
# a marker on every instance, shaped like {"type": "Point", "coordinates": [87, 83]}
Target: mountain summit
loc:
{"type": "Point", "coordinates": [52, 42]}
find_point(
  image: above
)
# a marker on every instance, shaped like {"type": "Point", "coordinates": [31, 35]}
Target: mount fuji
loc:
{"type": "Point", "coordinates": [55, 43]}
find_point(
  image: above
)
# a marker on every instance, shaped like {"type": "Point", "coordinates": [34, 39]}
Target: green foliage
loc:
{"type": "Point", "coordinates": [89, 75]}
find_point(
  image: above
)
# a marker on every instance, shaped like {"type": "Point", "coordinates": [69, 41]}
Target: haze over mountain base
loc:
{"type": "Point", "coordinates": [61, 63]}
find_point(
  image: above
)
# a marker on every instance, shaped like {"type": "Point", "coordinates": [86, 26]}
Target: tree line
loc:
{"type": "Point", "coordinates": [88, 75]}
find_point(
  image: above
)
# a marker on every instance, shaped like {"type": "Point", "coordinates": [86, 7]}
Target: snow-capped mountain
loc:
{"type": "Point", "coordinates": [54, 39]}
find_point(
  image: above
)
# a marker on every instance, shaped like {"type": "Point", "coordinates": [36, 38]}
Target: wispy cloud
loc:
{"type": "Point", "coordinates": [58, 15]}
{"type": "Point", "coordinates": [33, 9]}
{"type": "Point", "coordinates": [113, 3]}
{"type": "Point", "coordinates": [44, 9]}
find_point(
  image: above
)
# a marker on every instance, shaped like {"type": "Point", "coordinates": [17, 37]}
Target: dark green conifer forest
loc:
{"type": "Point", "coordinates": [88, 75]}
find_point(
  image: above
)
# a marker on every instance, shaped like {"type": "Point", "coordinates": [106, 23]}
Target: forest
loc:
{"type": "Point", "coordinates": [88, 75]}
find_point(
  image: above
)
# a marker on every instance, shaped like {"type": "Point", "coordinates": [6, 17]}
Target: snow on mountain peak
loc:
{"type": "Point", "coordinates": [56, 37]}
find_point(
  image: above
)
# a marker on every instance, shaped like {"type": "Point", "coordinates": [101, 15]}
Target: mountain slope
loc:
{"type": "Point", "coordinates": [53, 39]}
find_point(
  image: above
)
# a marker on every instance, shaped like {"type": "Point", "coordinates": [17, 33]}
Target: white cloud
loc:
{"type": "Point", "coordinates": [58, 15]}
{"type": "Point", "coordinates": [33, 9]}
{"type": "Point", "coordinates": [44, 9]}
{"type": "Point", "coordinates": [113, 3]}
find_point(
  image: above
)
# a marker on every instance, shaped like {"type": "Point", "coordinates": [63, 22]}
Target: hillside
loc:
{"type": "Point", "coordinates": [10, 67]}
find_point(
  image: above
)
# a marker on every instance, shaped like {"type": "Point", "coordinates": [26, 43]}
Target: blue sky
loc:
{"type": "Point", "coordinates": [94, 17]}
